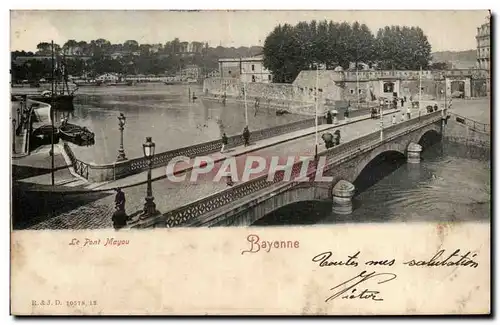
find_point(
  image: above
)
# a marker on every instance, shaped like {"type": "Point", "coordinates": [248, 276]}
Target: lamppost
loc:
{"type": "Point", "coordinates": [149, 207]}
{"type": "Point", "coordinates": [13, 135]}
{"type": "Point", "coordinates": [381, 120]}
{"type": "Point", "coordinates": [121, 151]}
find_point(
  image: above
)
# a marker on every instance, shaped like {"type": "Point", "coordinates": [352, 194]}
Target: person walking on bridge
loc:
{"type": "Point", "coordinates": [408, 111]}
{"type": "Point", "coordinates": [119, 217]}
{"type": "Point", "coordinates": [246, 136]}
{"type": "Point", "coordinates": [224, 142]}
{"type": "Point", "coordinates": [120, 199]}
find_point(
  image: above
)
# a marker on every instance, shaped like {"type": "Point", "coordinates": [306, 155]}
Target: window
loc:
{"type": "Point", "coordinates": [253, 78]}
{"type": "Point", "coordinates": [352, 91]}
{"type": "Point", "coordinates": [229, 71]}
{"type": "Point", "coordinates": [360, 91]}
{"type": "Point", "coordinates": [253, 67]}
{"type": "Point", "coordinates": [269, 77]}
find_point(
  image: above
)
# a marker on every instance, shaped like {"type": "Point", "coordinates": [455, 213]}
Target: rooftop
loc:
{"type": "Point", "coordinates": [250, 59]}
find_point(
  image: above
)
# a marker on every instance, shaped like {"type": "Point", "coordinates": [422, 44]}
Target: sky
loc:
{"type": "Point", "coordinates": [446, 30]}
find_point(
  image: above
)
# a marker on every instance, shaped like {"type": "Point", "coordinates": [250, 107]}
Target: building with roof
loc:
{"type": "Point", "coordinates": [245, 69]}
{"type": "Point", "coordinates": [483, 45]}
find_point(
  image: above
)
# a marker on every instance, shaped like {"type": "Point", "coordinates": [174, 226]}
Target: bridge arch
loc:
{"type": "Point", "coordinates": [429, 138]}
{"type": "Point", "coordinates": [376, 166]}
{"type": "Point", "coordinates": [386, 150]}
{"type": "Point", "coordinates": [428, 135]}
{"type": "Point", "coordinates": [251, 212]}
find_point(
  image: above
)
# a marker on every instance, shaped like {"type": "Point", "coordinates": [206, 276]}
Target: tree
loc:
{"type": "Point", "coordinates": [69, 45]}
{"type": "Point", "coordinates": [361, 44]}
{"type": "Point", "coordinates": [280, 54]}
{"type": "Point", "coordinates": [44, 48]}
{"type": "Point", "coordinates": [402, 48]}
{"type": "Point", "coordinates": [131, 46]}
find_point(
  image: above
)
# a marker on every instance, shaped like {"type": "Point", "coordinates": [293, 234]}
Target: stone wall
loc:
{"type": "Point", "coordinates": [284, 96]}
{"type": "Point", "coordinates": [345, 86]}
{"type": "Point", "coordinates": [468, 132]}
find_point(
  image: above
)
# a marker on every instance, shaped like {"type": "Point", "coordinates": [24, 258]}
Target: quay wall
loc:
{"type": "Point", "coordinates": [284, 96]}
{"type": "Point", "coordinates": [338, 87]}
{"type": "Point", "coordinates": [466, 131]}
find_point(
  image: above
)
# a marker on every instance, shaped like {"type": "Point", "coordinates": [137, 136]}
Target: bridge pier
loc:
{"type": "Point", "coordinates": [413, 153]}
{"type": "Point", "coordinates": [342, 192]}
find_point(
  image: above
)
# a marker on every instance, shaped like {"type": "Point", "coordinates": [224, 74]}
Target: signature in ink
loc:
{"type": "Point", "coordinates": [350, 289]}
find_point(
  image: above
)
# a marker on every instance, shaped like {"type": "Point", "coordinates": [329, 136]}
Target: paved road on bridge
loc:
{"type": "Point", "coordinates": [169, 195]}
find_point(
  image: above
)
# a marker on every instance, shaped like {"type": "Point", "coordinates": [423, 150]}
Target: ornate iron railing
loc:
{"type": "Point", "coordinates": [184, 214]}
{"type": "Point", "coordinates": [138, 165]}
{"type": "Point", "coordinates": [80, 167]}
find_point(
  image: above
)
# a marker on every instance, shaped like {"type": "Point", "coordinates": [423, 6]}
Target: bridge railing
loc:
{"type": "Point", "coordinates": [80, 167]}
{"type": "Point", "coordinates": [112, 171]}
{"type": "Point", "coordinates": [185, 214]}
{"type": "Point", "coordinates": [138, 165]}
{"type": "Point", "coordinates": [474, 125]}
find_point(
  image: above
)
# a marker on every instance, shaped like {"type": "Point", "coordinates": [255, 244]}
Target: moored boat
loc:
{"type": "Point", "coordinates": [76, 134]}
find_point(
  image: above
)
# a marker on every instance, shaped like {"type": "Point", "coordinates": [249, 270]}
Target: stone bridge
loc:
{"type": "Point", "coordinates": [246, 203]}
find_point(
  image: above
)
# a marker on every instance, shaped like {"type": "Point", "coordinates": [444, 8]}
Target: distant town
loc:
{"type": "Point", "coordinates": [176, 61]}
{"type": "Point", "coordinates": [99, 60]}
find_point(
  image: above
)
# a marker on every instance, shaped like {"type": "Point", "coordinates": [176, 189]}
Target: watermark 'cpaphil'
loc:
{"type": "Point", "coordinates": [246, 168]}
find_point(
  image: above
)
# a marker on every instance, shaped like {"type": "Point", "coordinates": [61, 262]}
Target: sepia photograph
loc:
{"type": "Point", "coordinates": [284, 134]}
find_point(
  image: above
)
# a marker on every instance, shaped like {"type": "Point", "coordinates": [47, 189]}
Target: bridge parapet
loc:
{"type": "Point", "coordinates": [334, 156]}
{"type": "Point", "coordinates": [117, 170]}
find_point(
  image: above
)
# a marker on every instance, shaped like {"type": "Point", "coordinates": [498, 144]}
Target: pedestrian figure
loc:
{"type": "Point", "coordinates": [256, 106]}
{"type": "Point", "coordinates": [120, 199]}
{"type": "Point", "coordinates": [329, 117]}
{"type": "Point", "coordinates": [404, 99]}
{"type": "Point", "coordinates": [402, 102]}
{"type": "Point", "coordinates": [394, 119]}
{"type": "Point", "coordinates": [408, 112]}
{"type": "Point", "coordinates": [194, 97]}
{"type": "Point", "coordinates": [119, 218]}
{"type": "Point", "coordinates": [337, 137]}
{"type": "Point", "coordinates": [246, 136]}
{"type": "Point", "coordinates": [224, 142]}
{"type": "Point", "coordinates": [224, 99]}
{"type": "Point", "coordinates": [402, 116]}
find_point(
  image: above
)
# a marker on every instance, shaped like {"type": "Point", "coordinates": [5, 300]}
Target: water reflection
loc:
{"type": "Point", "coordinates": [452, 183]}
{"type": "Point", "coordinates": [162, 112]}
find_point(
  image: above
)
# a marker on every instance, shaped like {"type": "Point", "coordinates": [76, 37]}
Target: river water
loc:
{"type": "Point", "coordinates": [162, 112]}
{"type": "Point", "coordinates": [452, 183]}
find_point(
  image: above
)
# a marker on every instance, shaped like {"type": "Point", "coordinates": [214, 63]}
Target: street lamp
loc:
{"type": "Point", "coordinates": [149, 207]}
{"type": "Point", "coordinates": [381, 120]}
{"type": "Point", "coordinates": [121, 151]}
{"type": "Point", "coordinates": [13, 135]}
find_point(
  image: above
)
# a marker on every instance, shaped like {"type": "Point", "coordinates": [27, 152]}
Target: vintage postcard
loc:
{"type": "Point", "coordinates": [250, 162]}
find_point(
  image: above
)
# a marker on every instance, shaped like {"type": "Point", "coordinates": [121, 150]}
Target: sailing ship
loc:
{"type": "Point", "coordinates": [62, 99]}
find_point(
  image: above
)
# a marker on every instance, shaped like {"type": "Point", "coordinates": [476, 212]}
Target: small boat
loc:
{"type": "Point", "coordinates": [281, 112]}
{"type": "Point", "coordinates": [76, 134]}
{"type": "Point", "coordinates": [43, 134]}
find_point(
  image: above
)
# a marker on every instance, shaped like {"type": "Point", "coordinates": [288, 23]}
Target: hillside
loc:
{"type": "Point", "coordinates": [449, 56]}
